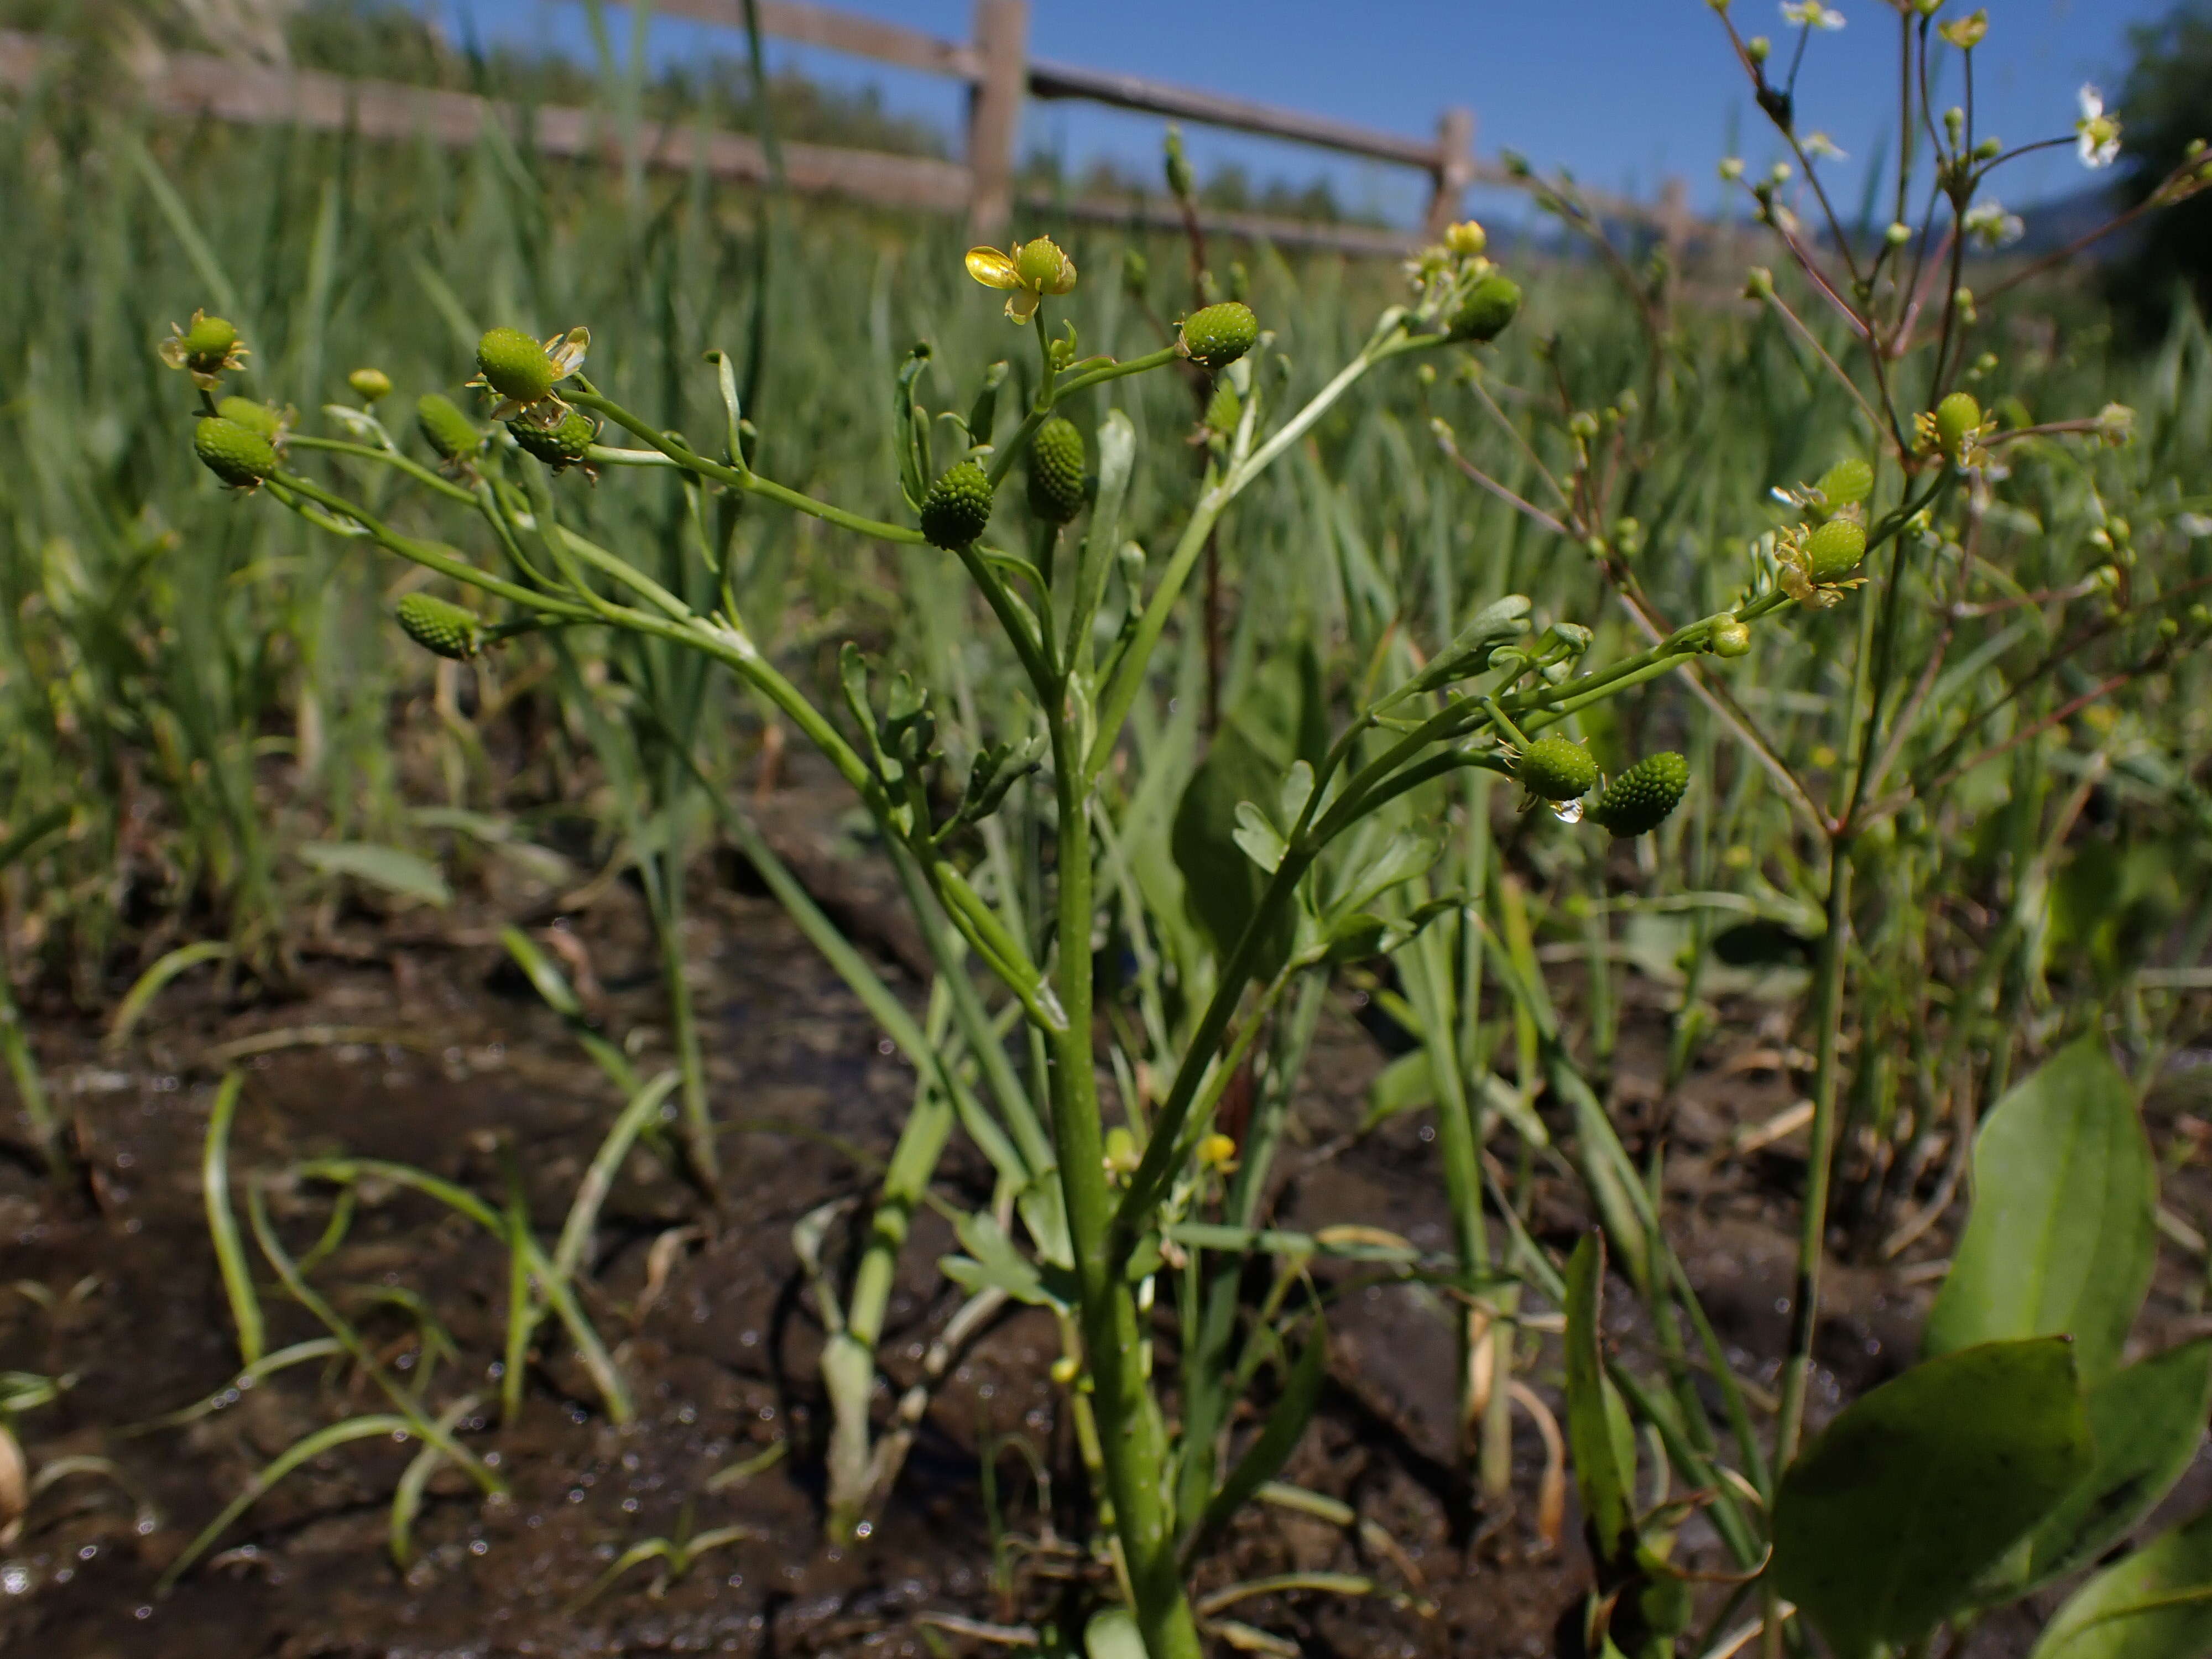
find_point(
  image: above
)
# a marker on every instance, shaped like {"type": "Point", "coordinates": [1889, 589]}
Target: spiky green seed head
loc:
{"type": "Point", "coordinates": [1557, 768]}
{"type": "Point", "coordinates": [254, 417]}
{"type": "Point", "coordinates": [1218, 336]}
{"type": "Point", "coordinates": [1730, 638]}
{"type": "Point", "coordinates": [1846, 483]}
{"type": "Point", "coordinates": [957, 507]}
{"type": "Point", "coordinates": [1639, 800]}
{"type": "Point", "coordinates": [1490, 306]}
{"type": "Point", "coordinates": [237, 454]}
{"type": "Point", "coordinates": [514, 364]}
{"type": "Point", "coordinates": [439, 626]}
{"type": "Point", "coordinates": [208, 342]}
{"type": "Point", "coordinates": [371, 386]}
{"type": "Point", "coordinates": [1833, 552]}
{"type": "Point", "coordinates": [450, 433]}
{"type": "Point", "coordinates": [1056, 479]}
{"type": "Point", "coordinates": [1956, 418]}
{"type": "Point", "coordinates": [564, 445]}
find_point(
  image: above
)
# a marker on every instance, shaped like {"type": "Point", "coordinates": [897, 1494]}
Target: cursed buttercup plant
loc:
{"type": "Point", "coordinates": [1099, 1225]}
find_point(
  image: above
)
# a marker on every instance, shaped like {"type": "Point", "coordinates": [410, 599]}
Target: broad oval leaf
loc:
{"type": "Point", "coordinates": [2154, 1604]}
{"type": "Point", "coordinates": [1916, 1490]}
{"type": "Point", "coordinates": [2062, 1236]}
{"type": "Point", "coordinates": [409, 875]}
{"type": "Point", "coordinates": [2146, 1421]}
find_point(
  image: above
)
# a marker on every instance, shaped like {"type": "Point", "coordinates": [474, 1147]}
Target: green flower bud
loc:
{"type": "Point", "coordinates": [1225, 408]}
{"type": "Point", "coordinates": [449, 431]}
{"type": "Point", "coordinates": [514, 364]}
{"type": "Point", "coordinates": [209, 341]}
{"type": "Point", "coordinates": [1846, 483]}
{"type": "Point", "coordinates": [1729, 639]}
{"type": "Point", "coordinates": [1218, 336]}
{"type": "Point", "coordinates": [1898, 234]}
{"type": "Point", "coordinates": [254, 417]}
{"type": "Point", "coordinates": [1833, 552]}
{"type": "Point", "coordinates": [1956, 416]}
{"type": "Point", "coordinates": [1639, 800]}
{"type": "Point", "coordinates": [561, 448]}
{"type": "Point", "coordinates": [1136, 271]}
{"type": "Point", "coordinates": [1056, 480]}
{"type": "Point", "coordinates": [1759, 48]}
{"type": "Point", "coordinates": [1557, 768]}
{"type": "Point", "coordinates": [1489, 307]}
{"type": "Point", "coordinates": [957, 507]}
{"type": "Point", "coordinates": [371, 386]}
{"type": "Point", "coordinates": [237, 454]}
{"type": "Point", "coordinates": [1583, 424]}
{"type": "Point", "coordinates": [439, 626]}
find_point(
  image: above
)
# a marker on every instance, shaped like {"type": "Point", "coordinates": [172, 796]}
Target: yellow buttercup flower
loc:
{"type": "Point", "coordinates": [1029, 269]}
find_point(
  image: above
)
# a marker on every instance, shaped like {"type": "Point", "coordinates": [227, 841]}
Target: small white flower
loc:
{"type": "Point", "coordinates": [2193, 524]}
{"type": "Point", "coordinates": [1987, 224]}
{"type": "Point", "coordinates": [1820, 144]}
{"type": "Point", "coordinates": [2098, 135]}
{"type": "Point", "coordinates": [1811, 14]}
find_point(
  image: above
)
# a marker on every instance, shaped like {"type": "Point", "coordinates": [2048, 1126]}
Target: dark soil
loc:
{"type": "Point", "coordinates": [446, 1057]}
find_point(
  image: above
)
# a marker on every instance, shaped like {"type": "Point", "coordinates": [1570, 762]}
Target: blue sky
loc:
{"type": "Point", "coordinates": [1624, 92]}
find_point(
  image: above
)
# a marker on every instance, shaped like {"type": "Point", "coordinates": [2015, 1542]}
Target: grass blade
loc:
{"type": "Point", "coordinates": [222, 1222]}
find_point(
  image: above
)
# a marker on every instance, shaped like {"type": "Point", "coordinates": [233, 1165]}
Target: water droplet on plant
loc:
{"type": "Point", "coordinates": [1567, 811]}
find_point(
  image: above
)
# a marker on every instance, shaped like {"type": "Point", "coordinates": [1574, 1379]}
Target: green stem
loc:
{"type": "Point", "coordinates": [1828, 1013]}
{"type": "Point", "coordinates": [1133, 1439]}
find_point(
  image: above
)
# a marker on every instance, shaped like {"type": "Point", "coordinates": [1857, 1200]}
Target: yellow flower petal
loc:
{"type": "Point", "coordinates": [992, 268]}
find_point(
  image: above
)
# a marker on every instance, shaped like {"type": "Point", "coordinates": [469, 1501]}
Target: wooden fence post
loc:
{"type": "Point", "coordinates": [1455, 169]}
{"type": "Point", "coordinates": [994, 113]}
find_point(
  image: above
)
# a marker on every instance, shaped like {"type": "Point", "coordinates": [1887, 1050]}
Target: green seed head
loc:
{"type": "Point", "coordinates": [254, 417]}
{"type": "Point", "coordinates": [237, 454]}
{"type": "Point", "coordinates": [957, 507]}
{"type": "Point", "coordinates": [450, 433]}
{"type": "Point", "coordinates": [1218, 336]}
{"type": "Point", "coordinates": [1833, 552]}
{"type": "Point", "coordinates": [207, 342]}
{"type": "Point", "coordinates": [563, 446]}
{"type": "Point", "coordinates": [440, 627]}
{"type": "Point", "coordinates": [1493, 302]}
{"type": "Point", "coordinates": [514, 364]}
{"type": "Point", "coordinates": [1846, 483]}
{"type": "Point", "coordinates": [1730, 638]}
{"type": "Point", "coordinates": [1639, 800]}
{"type": "Point", "coordinates": [1956, 416]}
{"type": "Point", "coordinates": [1557, 768]}
{"type": "Point", "coordinates": [1056, 481]}
{"type": "Point", "coordinates": [371, 386]}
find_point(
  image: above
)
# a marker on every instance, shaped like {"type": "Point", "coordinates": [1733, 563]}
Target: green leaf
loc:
{"type": "Point", "coordinates": [408, 875]}
{"type": "Point", "coordinates": [993, 1261]}
{"type": "Point", "coordinates": [1916, 1490]}
{"type": "Point", "coordinates": [1264, 1459]}
{"type": "Point", "coordinates": [2154, 1604]}
{"type": "Point", "coordinates": [2062, 1236]}
{"type": "Point", "coordinates": [1598, 1432]}
{"type": "Point", "coordinates": [1258, 838]}
{"type": "Point", "coordinates": [2147, 1421]}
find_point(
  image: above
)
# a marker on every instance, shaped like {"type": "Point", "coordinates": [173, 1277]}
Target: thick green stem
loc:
{"type": "Point", "coordinates": [1133, 1440]}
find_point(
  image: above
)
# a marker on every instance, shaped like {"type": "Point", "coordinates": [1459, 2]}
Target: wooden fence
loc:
{"type": "Point", "coordinates": [994, 63]}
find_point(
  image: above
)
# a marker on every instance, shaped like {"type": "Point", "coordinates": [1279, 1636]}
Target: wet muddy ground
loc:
{"type": "Point", "coordinates": [414, 1041]}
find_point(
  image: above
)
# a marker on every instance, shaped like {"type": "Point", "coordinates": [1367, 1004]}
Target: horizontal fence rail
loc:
{"type": "Point", "coordinates": [993, 64]}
